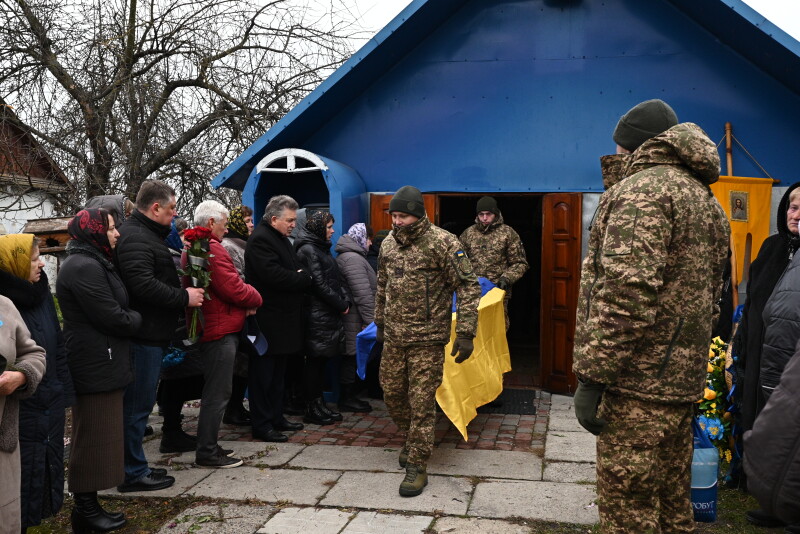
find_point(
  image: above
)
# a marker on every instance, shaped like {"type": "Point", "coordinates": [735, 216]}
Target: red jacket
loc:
{"type": "Point", "coordinates": [230, 297]}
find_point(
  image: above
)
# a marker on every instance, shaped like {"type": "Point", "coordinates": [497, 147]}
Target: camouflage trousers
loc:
{"type": "Point", "coordinates": [644, 461]}
{"type": "Point", "coordinates": [409, 376]}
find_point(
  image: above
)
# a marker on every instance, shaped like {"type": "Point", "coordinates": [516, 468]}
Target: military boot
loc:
{"type": "Point", "coordinates": [403, 458]}
{"type": "Point", "coordinates": [416, 479]}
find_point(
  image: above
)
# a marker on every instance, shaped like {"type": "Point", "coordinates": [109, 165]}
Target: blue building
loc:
{"type": "Point", "coordinates": [518, 99]}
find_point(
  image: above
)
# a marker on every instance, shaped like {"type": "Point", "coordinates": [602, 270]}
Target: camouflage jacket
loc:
{"type": "Point", "coordinates": [653, 273]}
{"type": "Point", "coordinates": [495, 251]}
{"type": "Point", "coordinates": [419, 268]}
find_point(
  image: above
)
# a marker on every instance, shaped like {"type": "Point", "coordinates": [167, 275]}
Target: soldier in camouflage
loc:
{"type": "Point", "coordinates": [494, 249]}
{"type": "Point", "coordinates": [649, 287]}
{"type": "Point", "coordinates": [420, 265]}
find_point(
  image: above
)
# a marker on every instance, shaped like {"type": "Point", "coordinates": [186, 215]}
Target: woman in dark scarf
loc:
{"type": "Point", "coordinates": [41, 416]}
{"type": "Point", "coordinates": [327, 303]}
{"type": "Point", "coordinates": [97, 326]}
{"type": "Point", "coordinates": [773, 257]}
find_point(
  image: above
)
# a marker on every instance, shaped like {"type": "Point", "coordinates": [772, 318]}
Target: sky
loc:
{"type": "Point", "coordinates": [783, 13]}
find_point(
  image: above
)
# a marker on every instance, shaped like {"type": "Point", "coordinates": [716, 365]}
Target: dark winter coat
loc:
{"type": "Point", "coordinates": [361, 282]}
{"type": "Point", "coordinates": [41, 417]}
{"type": "Point", "coordinates": [772, 460]}
{"type": "Point", "coordinates": [766, 269]}
{"type": "Point", "coordinates": [98, 321]}
{"type": "Point", "coordinates": [327, 299]}
{"type": "Point", "coordinates": [781, 327]}
{"type": "Point", "coordinates": [146, 266]}
{"type": "Point", "coordinates": [271, 266]}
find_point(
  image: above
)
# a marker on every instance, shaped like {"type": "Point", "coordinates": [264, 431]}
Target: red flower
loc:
{"type": "Point", "coordinates": [198, 232]}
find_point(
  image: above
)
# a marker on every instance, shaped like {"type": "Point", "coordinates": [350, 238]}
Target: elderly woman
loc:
{"type": "Point", "coordinates": [22, 364]}
{"type": "Point", "coordinates": [41, 429]}
{"type": "Point", "coordinates": [361, 280]}
{"type": "Point", "coordinates": [328, 302]}
{"type": "Point", "coordinates": [240, 224]}
{"type": "Point", "coordinates": [97, 326]}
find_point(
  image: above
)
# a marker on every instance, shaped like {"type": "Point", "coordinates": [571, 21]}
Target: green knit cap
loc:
{"type": "Point", "coordinates": [643, 121]}
{"type": "Point", "coordinates": [408, 199]}
{"type": "Point", "coordinates": [487, 204]}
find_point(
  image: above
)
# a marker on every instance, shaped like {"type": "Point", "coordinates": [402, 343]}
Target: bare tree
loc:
{"type": "Point", "coordinates": [118, 91]}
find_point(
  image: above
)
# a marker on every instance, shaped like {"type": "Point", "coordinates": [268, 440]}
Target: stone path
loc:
{"type": "Point", "coordinates": [313, 486]}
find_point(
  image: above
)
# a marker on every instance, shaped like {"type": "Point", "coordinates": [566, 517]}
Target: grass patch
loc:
{"type": "Point", "coordinates": [144, 514]}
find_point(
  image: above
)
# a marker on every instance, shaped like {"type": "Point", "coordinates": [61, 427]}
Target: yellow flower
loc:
{"type": "Point", "coordinates": [710, 368]}
{"type": "Point", "coordinates": [728, 455]}
{"type": "Point", "coordinates": [713, 405]}
{"type": "Point", "coordinates": [711, 354]}
{"type": "Point", "coordinates": [710, 394]}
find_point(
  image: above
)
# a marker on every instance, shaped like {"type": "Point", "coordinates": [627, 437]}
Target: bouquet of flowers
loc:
{"type": "Point", "coordinates": [197, 254]}
{"type": "Point", "coordinates": [715, 417]}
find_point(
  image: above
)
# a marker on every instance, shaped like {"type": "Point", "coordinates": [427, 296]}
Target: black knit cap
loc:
{"type": "Point", "coordinates": [643, 121]}
{"type": "Point", "coordinates": [487, 204]}
{"type": "Point", "coordinates": [408, 199]}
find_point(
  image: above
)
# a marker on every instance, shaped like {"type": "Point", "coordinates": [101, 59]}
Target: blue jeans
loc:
{"type": "Point", "coordinates": [140, 396]}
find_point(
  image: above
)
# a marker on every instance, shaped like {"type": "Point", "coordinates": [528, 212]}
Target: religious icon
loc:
{"type": "Point", "coordinates": [739, 206]}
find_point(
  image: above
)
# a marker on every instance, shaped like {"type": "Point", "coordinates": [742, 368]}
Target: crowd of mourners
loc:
{"type": "Point", "coordinates": [160, 310]}
{"type": "Point", "coordinates": [131, 339]}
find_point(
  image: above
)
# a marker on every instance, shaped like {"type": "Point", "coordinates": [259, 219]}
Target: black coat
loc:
{"type": "Point", "coordinates": [98, 322]}
{"type": "Point", "coordinates": [41, 416]}
{"type": "Point", "coordinates": [772, 461]}
{"type": "Point", "coordinates": [145, 265]}
{"type": "Point", "coordinates": [327, 299]}
{"type": "Point", "coordinates": [766, 269]}
{"type": "Point", "coordinates": [271, 266]}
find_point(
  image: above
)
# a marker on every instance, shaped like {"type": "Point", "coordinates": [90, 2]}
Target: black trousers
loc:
{"type": "Point", "coordinates": [265, 383]}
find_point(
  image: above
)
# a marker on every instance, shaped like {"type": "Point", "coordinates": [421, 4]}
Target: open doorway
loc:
{"type": "Point", "coordinates": [456, 212]}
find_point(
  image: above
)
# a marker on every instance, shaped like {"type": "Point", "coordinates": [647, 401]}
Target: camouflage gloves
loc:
{"type": "Point", "coordinates": [503, 283]}
{"type": "Point", "coordinates": [379, 334]}
{"type": "Point", "coordinates": [587, 399]}
{"type": "Point", "coordinates": [463, 347]}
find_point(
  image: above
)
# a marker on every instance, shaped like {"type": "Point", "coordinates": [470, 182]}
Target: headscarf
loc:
{"type": "Point", "coordinates": [236, 225]}
{"type": "Point", "coordinates": [316, 223]}
{"type": "Point", "coordinates": [173, 240]}
{"type": "Point", "coordinates": [15, 254]}
{"type": "Point", "coordinates": [359, 234]}
{"type": "Point", "coordinates": [90, 226]}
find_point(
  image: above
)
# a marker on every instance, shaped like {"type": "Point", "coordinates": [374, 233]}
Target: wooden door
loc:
{"type": "Point", "coordinates": [379, 217]}
{"type": "Point", "coordinates": [561, 256]}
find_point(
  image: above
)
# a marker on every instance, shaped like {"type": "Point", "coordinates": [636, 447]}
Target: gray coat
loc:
{"type": "Point", "coordinates": [781, 327]}
{"type": "Point", "coordinates": [362, 282]}
{"type": "Point", "coordinates": [772, 460]}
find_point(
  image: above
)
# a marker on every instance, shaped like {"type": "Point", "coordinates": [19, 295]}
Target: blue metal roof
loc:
{"type": "Point", "coordinates": [510, 95]}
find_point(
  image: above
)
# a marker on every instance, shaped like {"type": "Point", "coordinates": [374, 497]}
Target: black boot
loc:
{"type": "Point", "coordinates": [177, 441]}
{"type": "Point", "coordinates": [348, 402]}
{"type": "Point", "coordinates": [335, 416]}
{"type": "Point", "coordinates": [315, 416]}
{"type": "Point", "coordinates": [89, 516]}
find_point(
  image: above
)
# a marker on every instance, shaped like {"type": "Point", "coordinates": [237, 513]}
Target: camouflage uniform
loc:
{"type": "Point", "coordinates": [649, 287]}
{"type": "Point", "coordinates": [420, 266]}
{"type": "Point", "coordinates": [495, 251]}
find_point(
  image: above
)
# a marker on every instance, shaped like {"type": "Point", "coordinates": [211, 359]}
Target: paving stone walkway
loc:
{"type": "Point", "coordinates": [308, 486]}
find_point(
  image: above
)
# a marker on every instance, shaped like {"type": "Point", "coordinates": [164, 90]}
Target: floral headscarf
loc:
{"type": "Point", "coordinates": [316, 223]}
{"type": "Point", "coordinates": [15, 254]}
{"type": "Point", "coordinates": [236, 225]}
{"type": "Point", "coordinates": [359, 234]}
{"type": "Point", "coordinates": [90, 226]}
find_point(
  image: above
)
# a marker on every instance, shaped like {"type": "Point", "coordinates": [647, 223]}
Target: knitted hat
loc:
{"type": "Point", "coordinates": [487, 204]}
{"type": "Point", "coordinates": [643, 121]}
{"type": "Point", "coordinates": [408, 199]}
